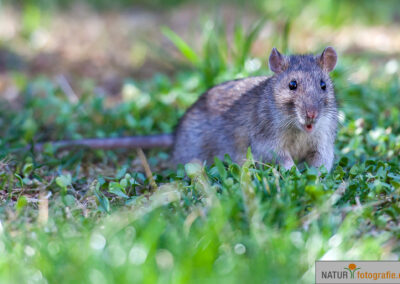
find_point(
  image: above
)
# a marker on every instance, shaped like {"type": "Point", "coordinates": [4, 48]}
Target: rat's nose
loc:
{"type": "Point", "coordinates": [311, 114]}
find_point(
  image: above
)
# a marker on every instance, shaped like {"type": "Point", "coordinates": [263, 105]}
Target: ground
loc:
{"type": "Point", "coordinates": [95, 217]}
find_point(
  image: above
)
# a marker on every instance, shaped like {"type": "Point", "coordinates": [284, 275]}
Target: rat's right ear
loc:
{"type": "Point", "coordinates": [277, 62]}
{"type": "Point", "coordinates": [328, 59]}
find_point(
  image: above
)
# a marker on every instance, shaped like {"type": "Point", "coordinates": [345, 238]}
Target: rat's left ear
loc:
{"type": "Point", "coordinates": [327, 60]}
{"type": "Point", "coordinates": [277, 62]}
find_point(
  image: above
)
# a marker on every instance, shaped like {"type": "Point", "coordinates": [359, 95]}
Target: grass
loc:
{"type": "Point", "coordinates": [91, 216]}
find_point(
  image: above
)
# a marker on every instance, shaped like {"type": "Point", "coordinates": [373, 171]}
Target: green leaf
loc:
{"type": "Point", "coordinates": [180, 171]}
{"type": "Point", "coordinates": [355, 170]}
{"type": "Point", "coordinates": [64, 181]}
{"type": "Point", "coordinates": [21, 203]}
{"type": "Point", "coordinates": [396, 184]}
{"type": "Point", "coordinates": [131, 201]}
{"type": "Point", "coordinates": [124, 183]}
{"type": "Point", "coordinates": [101, 181]}
{"type": "Point", "coordinates": [181, 45]}
{"type": "Point", "coordinates": [30, 127]}
{"type": "Point", "coordinates": [104, 203]}
{"type": "Point", "coordinates": [21, 182]}
{"type": "Point", "coordinates": [48, 149]}
{"type": "Point", "coordinates": [315, 190]}
{"type": "Point", "coordinates": [235, 170]}
{"type": "Point", "coordinates": [117, 189]}
{"type": "Point", "coordinates": [344, 161]}
{"type": "Point", "coordinates": [249, 155]}
{"type": "Point", "coordinates": [193, 169]}
{"type": "Point", "coordinates": [339, 173]}
{"type": "Point", "coordinates": [221, 168]}
{"type": "Point", "coordinates": [227, 159]}
{"type": "Point", "coordinates": [27, 169]}
{"type": "Point", "coordinates": [68, 200]}
{"type": "Point", "coordinates": [312, 174]}
{"type": "Point", "coordinates": [121, 172]}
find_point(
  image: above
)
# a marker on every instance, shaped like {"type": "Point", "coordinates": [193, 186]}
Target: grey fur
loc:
{"type": "Point", "coordinates": [263, 113]}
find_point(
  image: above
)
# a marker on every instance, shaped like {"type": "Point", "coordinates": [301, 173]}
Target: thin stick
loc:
{"type": "Point", "coordinates": [43, 208]}
{"type": "Point", "coordinates": [146, 167]}
{"type": "Point", "coordinates": [150, 141]}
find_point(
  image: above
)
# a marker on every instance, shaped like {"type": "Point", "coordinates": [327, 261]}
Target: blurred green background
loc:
{"type": "Point", "coordinates": [74, 69]}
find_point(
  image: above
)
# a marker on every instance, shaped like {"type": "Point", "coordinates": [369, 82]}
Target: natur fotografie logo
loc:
{"type": "Point", "coordinates": [352, 268]}
{"type": "Point", "coordinates": [353, 272]}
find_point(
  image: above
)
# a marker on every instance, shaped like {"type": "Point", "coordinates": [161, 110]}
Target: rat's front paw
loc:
{"type": "Point", "coordinates": [287, 164]}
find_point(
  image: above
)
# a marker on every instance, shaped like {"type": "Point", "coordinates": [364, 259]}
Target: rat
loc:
{"type": "Point", "coordinates": [287, 118]}
{"type": "Point", "coordinates": [290, 116]}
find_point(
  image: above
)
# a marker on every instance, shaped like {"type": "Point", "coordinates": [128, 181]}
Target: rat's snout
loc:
{"type": "Point", "coordinates": [311, 114]}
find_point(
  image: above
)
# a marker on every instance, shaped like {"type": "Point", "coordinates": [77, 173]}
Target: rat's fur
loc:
{"type": "Point", "coordinates": [263, 113]}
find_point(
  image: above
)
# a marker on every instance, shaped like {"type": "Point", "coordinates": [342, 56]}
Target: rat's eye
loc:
{"type": "Point", "coordinates": [323, 85]}
{"type": "Point", "coordinates": [293, 85]}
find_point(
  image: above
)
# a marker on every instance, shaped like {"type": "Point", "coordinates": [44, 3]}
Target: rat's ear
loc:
{"type": "Point", "coordinates": [327, 60]}
{"type": "Point", "coordinates": [277, 62]}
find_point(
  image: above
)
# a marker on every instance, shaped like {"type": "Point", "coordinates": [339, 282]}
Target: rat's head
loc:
{"type": "Point", "coordinates": [302, 88]}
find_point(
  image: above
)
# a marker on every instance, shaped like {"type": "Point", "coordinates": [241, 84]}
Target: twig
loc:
{"type": "Point", "coordinates": [269, 166]}
{"type": "Point", "coordinates": [359, 206]}
{"type": "Point", "coordinates": [43, 208]}
{"type": "Point", "coordinates": [150, 141]}
{"type": "Point", "coordinates": [146, 167]}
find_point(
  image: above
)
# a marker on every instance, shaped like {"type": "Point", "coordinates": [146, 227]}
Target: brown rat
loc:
{"type": "Point", "coordinates": [291, 116]}
{"type": "Point", "coordinates": [286, 118]}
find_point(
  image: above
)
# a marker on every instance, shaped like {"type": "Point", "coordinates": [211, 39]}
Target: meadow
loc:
{"type": "Point", "coordinates": [94, 216]}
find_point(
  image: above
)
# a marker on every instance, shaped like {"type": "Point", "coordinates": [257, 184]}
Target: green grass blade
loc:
{"type": "Point", "coordinates": [181, 45]}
